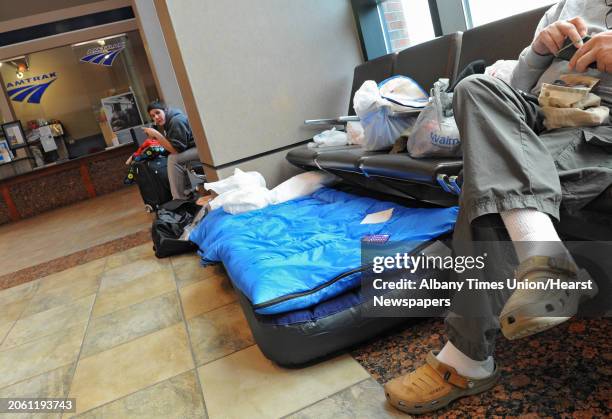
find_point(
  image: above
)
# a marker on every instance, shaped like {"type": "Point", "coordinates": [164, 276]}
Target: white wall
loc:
{"type": "Point", "coordinates": [258, 69]}
{"type": "Point", "coordinates": [158, 52]}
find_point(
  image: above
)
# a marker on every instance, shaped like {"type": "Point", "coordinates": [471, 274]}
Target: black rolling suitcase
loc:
{"type": "Point", "coordinates": [152, 180]}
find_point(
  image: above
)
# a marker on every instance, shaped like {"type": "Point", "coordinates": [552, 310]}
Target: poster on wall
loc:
{"type": "Point", "coordinates": [13, 132]}
{"type": "Point", "coordinates": [5, 152]}
{"type": "Point", "coordinates": [122, 111]}
{"type": "Point", "coordinates": [46, 138]}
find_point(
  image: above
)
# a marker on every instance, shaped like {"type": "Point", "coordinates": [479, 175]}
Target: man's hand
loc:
{"type": "Point", "coordinates": [597, 49]}
{"type": "Point", "coordinates": [152, 133]}
{"type": "Point", "coordinates": [551, 38]}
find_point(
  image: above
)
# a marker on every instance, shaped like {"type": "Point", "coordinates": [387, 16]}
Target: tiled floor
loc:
{"type": "Point", "coordinates": [67, 230]}
{"type": "Point", "coordinates": [130, 335]}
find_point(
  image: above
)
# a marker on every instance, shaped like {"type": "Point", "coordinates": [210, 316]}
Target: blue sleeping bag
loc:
{"type": "Point", "coordinates": [284, 257]}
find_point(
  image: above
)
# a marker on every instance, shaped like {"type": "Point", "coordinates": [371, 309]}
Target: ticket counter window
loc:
{"type": "Point", "coordinates": [89, 97]}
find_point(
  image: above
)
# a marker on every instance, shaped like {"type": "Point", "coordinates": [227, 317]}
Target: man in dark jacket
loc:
{"type": "Point", "coordinates": [177, 138]}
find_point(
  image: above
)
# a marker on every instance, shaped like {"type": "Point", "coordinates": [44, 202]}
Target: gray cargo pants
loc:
{"type": "Point", "coordinates": [511, 162]}
{"type": "Point", "coordinates": [177, 172]}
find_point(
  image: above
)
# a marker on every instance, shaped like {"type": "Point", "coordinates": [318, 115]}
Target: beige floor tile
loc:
{"type": "Point", "coordinates": [125, 274]}
{"type": "Point", "coordinates": [18, 293]}
{"type": "Point", "coordinates": [360, 401]}
{"type": "Point", "coordinates": [206, 295]}
{"type": "Point", "coordinates": [144, 251]}
{"type": "Point", "coordinates": [135, 291]}
{"type": "Point", "coordinates": [10, 312]}
{"type": "Point", "coordinates": [69, 292]}
{"type": "Point", "coordinates": [13, 302]}
{"type": "Point", "coordinates": [70, 276]}
{"type": "Point", "coordinates": [48, 322]}
{"type": "Point", "coordinates": [127, 368]}
{"type": "Point", "coordinates": [218, 333]}
{"type": "Point", "coordinates": [246, 384]}
{"type": "Point", "coordinates": [55, 383]}
{"type": "Point", "coordinates": [41, 355]}
{"type": "Point", "coordinates": [4, 329]}
{"type": "Point", "coordinates": [189, 271]}
{"type": "Point", "coordinates": [178, 397]}
{"type": "Point", "coordinates": [131, 322]}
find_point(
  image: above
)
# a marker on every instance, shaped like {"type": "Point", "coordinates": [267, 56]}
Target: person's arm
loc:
{"type": "Point", "coordinates": [178, 134]}
{"type": "Point", "coordinates": [548, 39]}
{"type": "Point", "coordinates": [165, 143]}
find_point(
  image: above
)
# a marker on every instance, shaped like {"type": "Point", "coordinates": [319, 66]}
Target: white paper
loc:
{"type": "Point", "coordinates": [46, 138]}
{"type": "Point", "coordinates": [378, 217]}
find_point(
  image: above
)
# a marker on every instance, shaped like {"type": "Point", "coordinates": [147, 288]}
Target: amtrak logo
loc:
{"type": "Point", "coordinates": [30, 89]}
{"type": "Point", "coordinates": [103, 55]}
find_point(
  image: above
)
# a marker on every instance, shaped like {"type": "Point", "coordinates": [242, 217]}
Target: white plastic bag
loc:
{"type": "Point", "coordinates": [238, 180]}
{"type": "Point", "coordinates": [329, 138]}
{"type": "Point", "coordinates": [377, 113]}
{"type": "Point", "coordinates": [355, 133]}
{"type": "Point", "coordinates": [435, 132]}
{"type": "Point", "coordinates": [245, 192]}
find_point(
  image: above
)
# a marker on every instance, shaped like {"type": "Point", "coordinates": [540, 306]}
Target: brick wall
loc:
{"type": "Point", "coordinates": [396, 24]}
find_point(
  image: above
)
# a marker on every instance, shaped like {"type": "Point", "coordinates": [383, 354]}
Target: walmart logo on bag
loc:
{"type": "Point", "coordinates": [31, 88]}
{"type": "Point", "coordinates": [104, 55]}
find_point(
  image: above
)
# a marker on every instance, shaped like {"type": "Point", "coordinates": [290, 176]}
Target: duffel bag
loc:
{"type": "Point", "coordinates": [169, 225]}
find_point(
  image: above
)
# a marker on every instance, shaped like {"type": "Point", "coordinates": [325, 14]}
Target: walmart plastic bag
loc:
{"type": "Point", "coordinates": [381, 109]}
{"type": "Point", "coordinates": [435, 133]}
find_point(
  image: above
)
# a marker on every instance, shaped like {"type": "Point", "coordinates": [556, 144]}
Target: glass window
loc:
{"type": "Point", "coordinates": [408, 22]}
{"type": "Point", "coordinates": [92, 92]}
{"type": "Point", "coordinates": [485, 11]}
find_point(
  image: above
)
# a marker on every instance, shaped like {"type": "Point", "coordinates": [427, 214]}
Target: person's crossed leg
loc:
{"type": "Point", "coordinates": [512, 171]}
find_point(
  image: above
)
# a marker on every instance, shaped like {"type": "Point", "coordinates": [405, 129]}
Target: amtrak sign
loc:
{"type": "Point", "coordinates": [104, 55]}
{"type": "Point", "coordinates": [30, 89]}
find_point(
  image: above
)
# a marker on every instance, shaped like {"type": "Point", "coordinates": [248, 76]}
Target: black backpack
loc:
{"type": "Point", "coordinates": [172, 218]}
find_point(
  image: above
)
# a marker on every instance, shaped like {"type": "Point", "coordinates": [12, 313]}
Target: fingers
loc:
{"type": "Point", "coordinates": [583, 62]}
{"type": "Point", "coordinates": [601, 67]}
{"type": "Point", "coordinates": [580, 25]}
{"type": "Point", "coordinates": [570, 31]}
{"type": "Point", "coordinates": [586, 48]}
{"type": "Point", "coordinates": [558, 36]}
{"type": "Point", "coordinates": [550, 43]}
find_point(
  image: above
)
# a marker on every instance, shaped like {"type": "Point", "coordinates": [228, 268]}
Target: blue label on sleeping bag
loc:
{"type": "Point", "coordinates": [283, 257]}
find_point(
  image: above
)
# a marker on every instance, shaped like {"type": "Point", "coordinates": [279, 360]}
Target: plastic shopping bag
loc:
{"type": "Point", "coordinates": [329, 138]}
{"type": "Point", "coordinates": [239, 180]}
{"type": "Point", "coordinates": [355, 133]}
{"type": "Point", "coordinates": [435, 133]}
{"type": "Point", "coordinates": [380, 109]}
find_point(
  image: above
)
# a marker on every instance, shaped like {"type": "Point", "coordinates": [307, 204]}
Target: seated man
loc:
{"type": "Point", "coordinates": [517, 171]}
{"type": "Point", "coordinates": [177, 139]}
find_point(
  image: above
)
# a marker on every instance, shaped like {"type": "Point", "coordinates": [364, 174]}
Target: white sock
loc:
{"type": "Point", "coordinates": [465, 365]}
{"type": "Point", "coordinates": [533, 234]}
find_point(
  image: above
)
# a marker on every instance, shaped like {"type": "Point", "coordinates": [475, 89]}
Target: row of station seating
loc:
{"type": "Point", "coordinates": [434, 181]}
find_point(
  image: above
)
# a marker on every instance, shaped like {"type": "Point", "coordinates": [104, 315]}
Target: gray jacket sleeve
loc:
{"type": "Point", "coordinates": [530, 64]}
{"type": "Point", "coordinates": [178, 134]}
